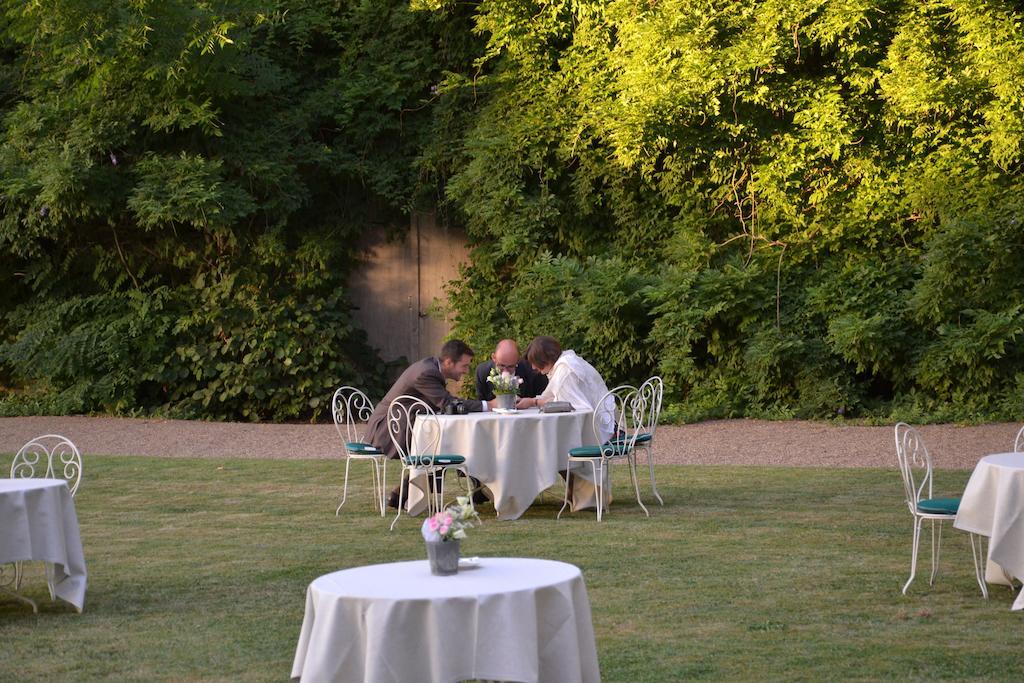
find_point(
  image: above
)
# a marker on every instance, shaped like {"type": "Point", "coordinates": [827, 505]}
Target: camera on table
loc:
{"type": "Point", "coordinates": [455, 407]}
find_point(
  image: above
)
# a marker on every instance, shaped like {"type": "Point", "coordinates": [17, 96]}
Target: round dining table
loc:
{"type": "Point", "coordinates": [38, 522]}
{"type": "Point", "coordinates": [500, 619]}
{"type": "Point", "coordinates": [515, 455]}
{"type": "Point", "coordinates": [993, 505]}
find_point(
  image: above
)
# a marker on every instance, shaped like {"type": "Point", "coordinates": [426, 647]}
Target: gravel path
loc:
{"type": "Point", "coordinates": [718, 442]}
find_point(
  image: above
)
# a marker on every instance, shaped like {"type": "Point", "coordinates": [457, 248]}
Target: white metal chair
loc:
{"type": "Point", "coordinates": [50, 456]}
{"type": "Point", "coordinates": [420, 456]}
{"type": "Point", "coordinates": [627, 410]}
{"type": "Point", "coordinates": [650, 395]}
{"type": "Point", "coordinates": [916, 469]}
{"type": "Point", "coordinates": [351, 409]}
{"type": "Point", "coordinates": [1018, 443]}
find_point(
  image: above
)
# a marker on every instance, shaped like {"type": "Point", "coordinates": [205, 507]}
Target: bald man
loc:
{"type": "Point", "coordinates": [507, 359]}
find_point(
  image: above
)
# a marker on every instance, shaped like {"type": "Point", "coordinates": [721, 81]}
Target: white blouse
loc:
{"type": "Point", "coordinates": [575, 380]}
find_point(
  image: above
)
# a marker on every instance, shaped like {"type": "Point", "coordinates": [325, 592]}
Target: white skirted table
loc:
{"type": "Point", "coordinates": [993, 505]}
{"type": "Point", "coordinates": [507, 619]}
{"type": "Point", "coordinates": [516, 455]}
{"type": "Point", "coordinates": [38, 522]}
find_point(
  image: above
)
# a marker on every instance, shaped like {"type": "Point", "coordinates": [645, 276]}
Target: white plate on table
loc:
{"type": "Point", "coordinates": [505, 411]}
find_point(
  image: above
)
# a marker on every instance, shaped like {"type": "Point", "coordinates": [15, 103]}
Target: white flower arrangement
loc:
{"type": "Point", "coordinates": [504, 382]}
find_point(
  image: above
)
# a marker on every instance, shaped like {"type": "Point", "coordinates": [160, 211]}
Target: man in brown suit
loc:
{"type": "Point", "coordinates": [425, 380]}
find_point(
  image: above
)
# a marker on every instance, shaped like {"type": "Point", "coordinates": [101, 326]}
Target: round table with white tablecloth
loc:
{"type": "Point", "coordinates": [508, 619]}
{"type": "Point", "coordinates": [518, 455]}
{"type": "Point", "coordinates": [38, 522]}
{"type": "Point", "coordinates": [993, 505]}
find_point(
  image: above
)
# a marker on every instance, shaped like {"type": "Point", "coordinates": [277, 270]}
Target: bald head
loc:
{"type": "Point", "coordinates": [506, 355]}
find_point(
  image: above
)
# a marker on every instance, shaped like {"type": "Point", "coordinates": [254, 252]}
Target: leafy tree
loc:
{"type": "Point", "coordinates": [181, 187]}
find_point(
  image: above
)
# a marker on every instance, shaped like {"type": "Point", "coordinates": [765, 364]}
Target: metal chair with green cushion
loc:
{"type": "Point", "coordinates": [403, 413]}
{"type": "Point", "coordinates": [627, 411]}
{"type": "Point", "coordinates": [351, 408]}
{"type": "Point", "coordinates": [650, 394]}
{"type": "Point", "coordinates": [916, 470]}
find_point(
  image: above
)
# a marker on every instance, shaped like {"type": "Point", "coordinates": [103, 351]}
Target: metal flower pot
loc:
{"type": "Point", "coordinates": [444, 557]}
{"type": "Point", "coordinates": [506, 401]}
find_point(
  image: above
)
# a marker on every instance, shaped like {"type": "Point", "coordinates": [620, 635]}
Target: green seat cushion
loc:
{"type": "Point", "coordinates": [939, 506]}
{"type": "Point", "coordinates": [360, 448]}
{"type": "Point", "coordinates": [440, 459]}
{"type": "Point", "coordinates": [643, 437]}
{"type": "Point", "coordinates": [611, 448]}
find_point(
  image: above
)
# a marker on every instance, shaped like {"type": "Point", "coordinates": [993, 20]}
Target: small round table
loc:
{"type": "Point", "coordinates": [515, 455]}
{"type": "Point", "coordinates": [38, 522]}
{"type": "Point", "coordinates": [508, 619]}
{"type": "Point", "coordinates": [993, 505]}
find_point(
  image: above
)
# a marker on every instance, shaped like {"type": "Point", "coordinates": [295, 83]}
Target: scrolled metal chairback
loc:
{"type": "Point", "coordinates": [913, 455]}
{"type": "Point", "coordinates": [402, 415]}
{"type": "Point", "coordinates": [52, 456]}
{"type": "Point", "coordinates": [350, 408]}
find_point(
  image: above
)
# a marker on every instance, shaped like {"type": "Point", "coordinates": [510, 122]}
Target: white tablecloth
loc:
{"type": "Point", "coordinates": [38, 522]}
{"type": "Point", "coordinates": [993, 505]}
{"type": "Point", "coordinates": [506, 619]}
{"type": "Point", "coordinates": [518, 455]}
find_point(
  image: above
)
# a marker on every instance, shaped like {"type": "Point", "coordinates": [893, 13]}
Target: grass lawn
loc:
{"type": "Point", "coordinates": [198, 570]}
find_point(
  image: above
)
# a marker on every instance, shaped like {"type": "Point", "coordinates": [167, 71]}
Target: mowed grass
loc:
{"type": "Point", "coordinates": [198, 571]}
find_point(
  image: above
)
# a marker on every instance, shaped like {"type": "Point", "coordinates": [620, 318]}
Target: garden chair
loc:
{"type": "Point", "coordinates": [351, 409]}
{"type": "Point", "coordinates": [916, 469]}
{"type": "Point", "coordinates": [650, 394]}
{"type": "Point", "coordinates": [628, 410]}
{"type": "Point", "coordinates": [50, 456]}
{"type": "Point", "coordinates": [419, 456]}
{"type": "Point", "coordinates": [1018, 443]}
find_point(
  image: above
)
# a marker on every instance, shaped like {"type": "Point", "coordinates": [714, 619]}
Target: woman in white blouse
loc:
{"type": "Point", "coordinates": [570, 378]}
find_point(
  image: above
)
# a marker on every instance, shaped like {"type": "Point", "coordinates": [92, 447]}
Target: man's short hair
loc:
{"type": "Point", "coordinates": [455, 349]}
{"type": "Point", "coordinates": [543, 351]}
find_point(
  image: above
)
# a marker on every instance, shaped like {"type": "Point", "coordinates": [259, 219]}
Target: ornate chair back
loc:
{"type": "Point", "coordinates": [351, 409]}
{"type": "Point", "coordinates": [1018, 443]}
{"type": "Point", "coordinates": [915, 465]}
{"type": "Point", "coordinates": [626, 412]}
{"type": "Point", "coordinates": [650, 394]}
{"type": "Point", "coordinates": [51, 456]}
{"type": "Point", "coordinates": [403, 412]}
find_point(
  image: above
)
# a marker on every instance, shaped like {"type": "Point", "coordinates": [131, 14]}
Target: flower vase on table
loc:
{"type": "Point", "coordinates": [506, 401]}
{"type": "Point", "coordinates": [506, 387]}
{"type": "Point", "coordinates": [443, 531]}
{"type": "Point", "coordinates": [443, 557]}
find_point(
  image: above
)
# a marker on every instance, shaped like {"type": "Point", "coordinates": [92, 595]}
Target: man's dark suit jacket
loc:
{"type": "Point", "coordinates": [534, 383]}
{"type": "Point", "coordinates": [423, 380]}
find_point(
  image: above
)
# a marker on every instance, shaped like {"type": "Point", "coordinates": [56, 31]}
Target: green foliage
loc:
{"type": "Point", "coordinates": [786, 208]}
{"type": "Point", "coordinates": [823, 197]}
{"type": "Point", "coordinates": [596, 307]}
{"type": "Point", "coordinates": [181, 189]}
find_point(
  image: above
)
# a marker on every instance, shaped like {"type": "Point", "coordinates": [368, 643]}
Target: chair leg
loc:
{"type": "Point", "coordinates": [979, 557]}
{"type": "Point", "coordinates": [599, 471]}
{"type": "Point", "coordinates": [18, 596]}
{"type": "Point", "coordinates": [378, 494]}
{"type": "Point", "coordinates": [936, 550]}
{"type": "Point", "coordinates": [631, 461]}
{"type": "Point", "coordinates": [51, 576]}
{"type": "Point", "coordinates": [565, 498]}
{"type": "Point", "coordinates": [383, 486]}
{"type": "Point", "coordinates": [344, 487]}
{"type": "Point", "coordinates": [401, 487]}
{"type": "Point", "coordinates": [649, 452]}
{"type": "Point", "coordinates": [913, 556]}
